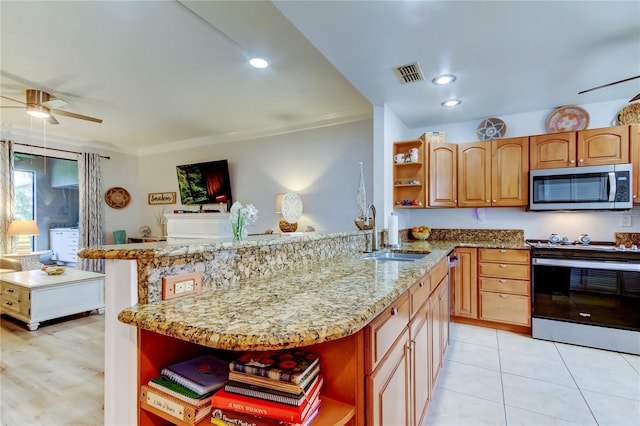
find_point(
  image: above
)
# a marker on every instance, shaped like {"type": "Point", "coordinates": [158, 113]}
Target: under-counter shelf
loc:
{"type": "Point", "coordinates": [332, 412]}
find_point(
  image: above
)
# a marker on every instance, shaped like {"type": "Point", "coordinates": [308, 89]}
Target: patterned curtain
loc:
{"type": "Point", "coordinates": [7, 196]}
{"type": "Point", "coordinates": [91, 214]}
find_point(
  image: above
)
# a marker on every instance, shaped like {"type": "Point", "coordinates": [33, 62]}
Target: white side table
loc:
{"type": "Point", "coordinates": [33, 296]}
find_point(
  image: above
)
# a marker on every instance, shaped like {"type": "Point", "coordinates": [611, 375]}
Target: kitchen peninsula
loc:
{"type": "Point", "coordinates": [311, 291]}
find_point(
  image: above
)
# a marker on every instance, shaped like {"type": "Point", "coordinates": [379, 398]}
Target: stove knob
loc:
{"type": "Point", "coordinates": [623, 247]}
{"type": "Point", "coordinates": [634, 247]}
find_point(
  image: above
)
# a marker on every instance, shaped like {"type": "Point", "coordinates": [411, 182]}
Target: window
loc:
{"type": "Point", "coordinates": [46, 190]}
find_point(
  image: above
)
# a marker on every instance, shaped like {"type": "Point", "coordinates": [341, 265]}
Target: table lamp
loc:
{"type": "Point", "coordinates": [24, 229]}
{"type": "Point", "coordinates": [290, 205]}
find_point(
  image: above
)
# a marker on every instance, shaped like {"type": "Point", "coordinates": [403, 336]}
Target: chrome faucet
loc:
{"type": "Point", "coordinates": [374, 237]}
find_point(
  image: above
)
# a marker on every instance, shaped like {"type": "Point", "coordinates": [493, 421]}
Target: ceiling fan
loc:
{"type": "Point", "coordinates": [635, 98]}
{"type": "Point", "coordinates": [41, 104]}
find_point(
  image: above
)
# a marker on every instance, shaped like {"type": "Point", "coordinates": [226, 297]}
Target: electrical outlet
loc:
{"type": "Point", "coordinates": [625, 220]}
{"type": "Point", "coordinates": [181, 285]}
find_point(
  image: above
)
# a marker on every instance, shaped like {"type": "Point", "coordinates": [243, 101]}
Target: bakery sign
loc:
{"type": "Point", "coordinates": [162, 198]}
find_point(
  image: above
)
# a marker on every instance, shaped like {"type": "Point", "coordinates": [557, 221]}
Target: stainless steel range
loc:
{"type": "Point", "coordinates": [586, 294]}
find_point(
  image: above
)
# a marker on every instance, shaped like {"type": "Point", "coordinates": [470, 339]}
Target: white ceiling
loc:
{"type": "Point", "coordinates": [158, 74]}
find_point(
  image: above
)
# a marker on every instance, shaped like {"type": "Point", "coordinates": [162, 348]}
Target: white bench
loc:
{"type": "Point", "coordinates": [33, 296]}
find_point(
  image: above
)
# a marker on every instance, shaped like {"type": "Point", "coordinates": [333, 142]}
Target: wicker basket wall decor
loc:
{"type": "Point", "coordinates": [630, 114]}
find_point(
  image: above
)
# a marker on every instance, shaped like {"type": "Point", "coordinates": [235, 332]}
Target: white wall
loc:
{"type": "Point", "coordinates": [600, 225]}
{"type": "Point", "coordinates": [321, 165]}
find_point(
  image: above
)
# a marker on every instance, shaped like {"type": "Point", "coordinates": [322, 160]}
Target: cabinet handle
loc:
{"type": "Point", "coordinates": [421, 284]}
{"type": "Point", "coordinates": [503, 281]}
{"type": "Point", "coordinates": [488, 201]}
{"type": "Point", "coordinates": [581, 160]}
{"type": "Point", "coordinates": [504, 296]}
{"type": "Point", "coordinates": [494, 201]}
{"type": "Point", "coordinates": [571, 162]}
{"type": "Point", "coordinates": [441, 296]}
{"type": "Point", "coordinates": [394, 311]}
{"type": "Point", "coordinates": [502, 265]}
{"type": "Point", "coordinates": [635, 196]}
{"type": "Point", "coordinates": [503, 251]}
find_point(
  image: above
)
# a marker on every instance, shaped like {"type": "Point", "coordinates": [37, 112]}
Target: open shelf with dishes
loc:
{"type": "Point", "coordinates": [409, 174]}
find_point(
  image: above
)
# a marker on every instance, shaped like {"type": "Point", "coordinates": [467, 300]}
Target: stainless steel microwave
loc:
{"type": "Point", "coordinates": [581, 188]}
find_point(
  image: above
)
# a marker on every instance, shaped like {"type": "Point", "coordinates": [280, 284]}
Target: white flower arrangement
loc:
{"type": "Point", "coordinates": [240, 218]}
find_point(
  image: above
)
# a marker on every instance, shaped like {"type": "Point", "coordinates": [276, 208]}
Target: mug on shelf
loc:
{"type": "Point", "coordinates": [413, 155]}
{"type": "Point", "coordinates": [399, 158]}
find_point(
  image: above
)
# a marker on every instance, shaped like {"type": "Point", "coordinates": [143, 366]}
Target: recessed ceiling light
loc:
{"type": "Point", "coordinates": [444, 79]}
{"type": "Point", "coordinates": [258, 63]}
{"type": "Point", "coordinates": [451, 103]}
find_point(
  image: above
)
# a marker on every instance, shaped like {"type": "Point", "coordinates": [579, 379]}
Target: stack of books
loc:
{"type": "Point", "coordinates": [185, 389]}
{"type": "Point", "coordinates": [270, 388]}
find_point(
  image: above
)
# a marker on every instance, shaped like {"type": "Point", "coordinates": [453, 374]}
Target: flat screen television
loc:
{"type": "Point", "coordinates": [205, 183]}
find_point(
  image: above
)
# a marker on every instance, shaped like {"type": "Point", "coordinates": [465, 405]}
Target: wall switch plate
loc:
{"type": "Point", "coordinates": [181, 285]}
{"type": "Point", "coordinates": [625, 220]}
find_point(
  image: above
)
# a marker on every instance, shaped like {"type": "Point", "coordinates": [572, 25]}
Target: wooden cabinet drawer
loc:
{"type": "Point", "coordinates": [503, 255]}
{"type": "Point", "coordinates": [438, 272]}
{"type": "Point", "coordinates": [504, 270]}
{"type": "Point", "coordinates": [11, 292]}
{"type": "Point", "coordinates": [385, 329]}
{"type": "Point", "coordinates": [505, 285]}
{"type": "Point", "coordinates": [506, 308]}
{"type": "Point", "coordinates": [419, 293]}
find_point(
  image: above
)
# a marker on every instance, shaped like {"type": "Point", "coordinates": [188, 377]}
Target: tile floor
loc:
{"type": "Point", "coordinates": [493, 377]}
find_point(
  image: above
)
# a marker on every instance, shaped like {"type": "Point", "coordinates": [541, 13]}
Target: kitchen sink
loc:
{"type": "Point", "coordinates": [392, 256]}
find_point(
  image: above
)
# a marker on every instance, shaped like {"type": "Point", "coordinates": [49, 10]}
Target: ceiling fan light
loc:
{"type": "Point", "coordinates": [444, 79]}
{"type": "Point", "coordinates": [258, 63]}
{"type": "Point", "coordinates": [451, 103]}
{"type": "Point", "coordinates": [38, 111]}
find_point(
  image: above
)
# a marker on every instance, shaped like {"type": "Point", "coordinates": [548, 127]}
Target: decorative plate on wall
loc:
{"type": "Point", "coordinates": [491, 128]}
{"type": "Point", "coordinates": [567, 119]}
{"type": "Point", "coordinates": [117, 198]}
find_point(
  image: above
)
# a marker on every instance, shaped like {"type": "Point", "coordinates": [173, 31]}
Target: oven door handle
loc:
{"type": "Point", "coordinates": [609, 266]}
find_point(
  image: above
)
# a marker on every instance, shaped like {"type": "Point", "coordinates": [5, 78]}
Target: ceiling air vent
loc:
{"type": "Point", "coordinates": [410, 73]}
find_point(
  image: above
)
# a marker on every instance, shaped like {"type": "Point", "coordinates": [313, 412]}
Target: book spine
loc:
{"type": "Point", "coordinates": [170, 405]}
{"type": "Point", "coordinates": [263, 393]}
{"type": "Point", "coordinates": [259, 407]}
{"type": "Point", "coordinates": [195, 402]}
{"type": "Point", "coordinates": [221, 417]}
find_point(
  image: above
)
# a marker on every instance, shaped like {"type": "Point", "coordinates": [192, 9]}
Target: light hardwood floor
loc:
{"type": "Point", "coordinates": [54, 375]}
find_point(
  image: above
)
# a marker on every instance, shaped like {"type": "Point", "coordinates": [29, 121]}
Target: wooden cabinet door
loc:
{"type": "Point", "coordinates": [465, 292]}
{"type": "Point", "coordinates": [420, 363]}
{"type": "Point", "coordinates": [474, 174]}
{"type": "Point", "coordinates": [552, 151]}
{"type": "Point", "coordinates": [434, 331]}
{"type": "Point", "coordinates": [635, 160]}
{"type": "Point", "coordinates": [388, 387]}
{"type": "Point", "coordinates": [510, 172]}
{"type": "Point", "coordinates": [443, 175]}
{"type": "Point", "coordinates": [603, 146]}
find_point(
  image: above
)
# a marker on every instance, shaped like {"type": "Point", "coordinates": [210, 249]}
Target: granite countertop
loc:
{"type": "Point", "coordinates": [328, 300]}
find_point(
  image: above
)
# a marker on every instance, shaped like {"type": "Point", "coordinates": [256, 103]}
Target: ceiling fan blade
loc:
{"type": "Point", "coordinates": [80, 116]}
{"type": "Point", "coordinates": [635, 98]}
{"type": "Point", "coordinates": [609, 84]}
{"type": "Point", "coordinates": [52, 120]}
{"type": "Point", "coordinates": [14, 100]}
